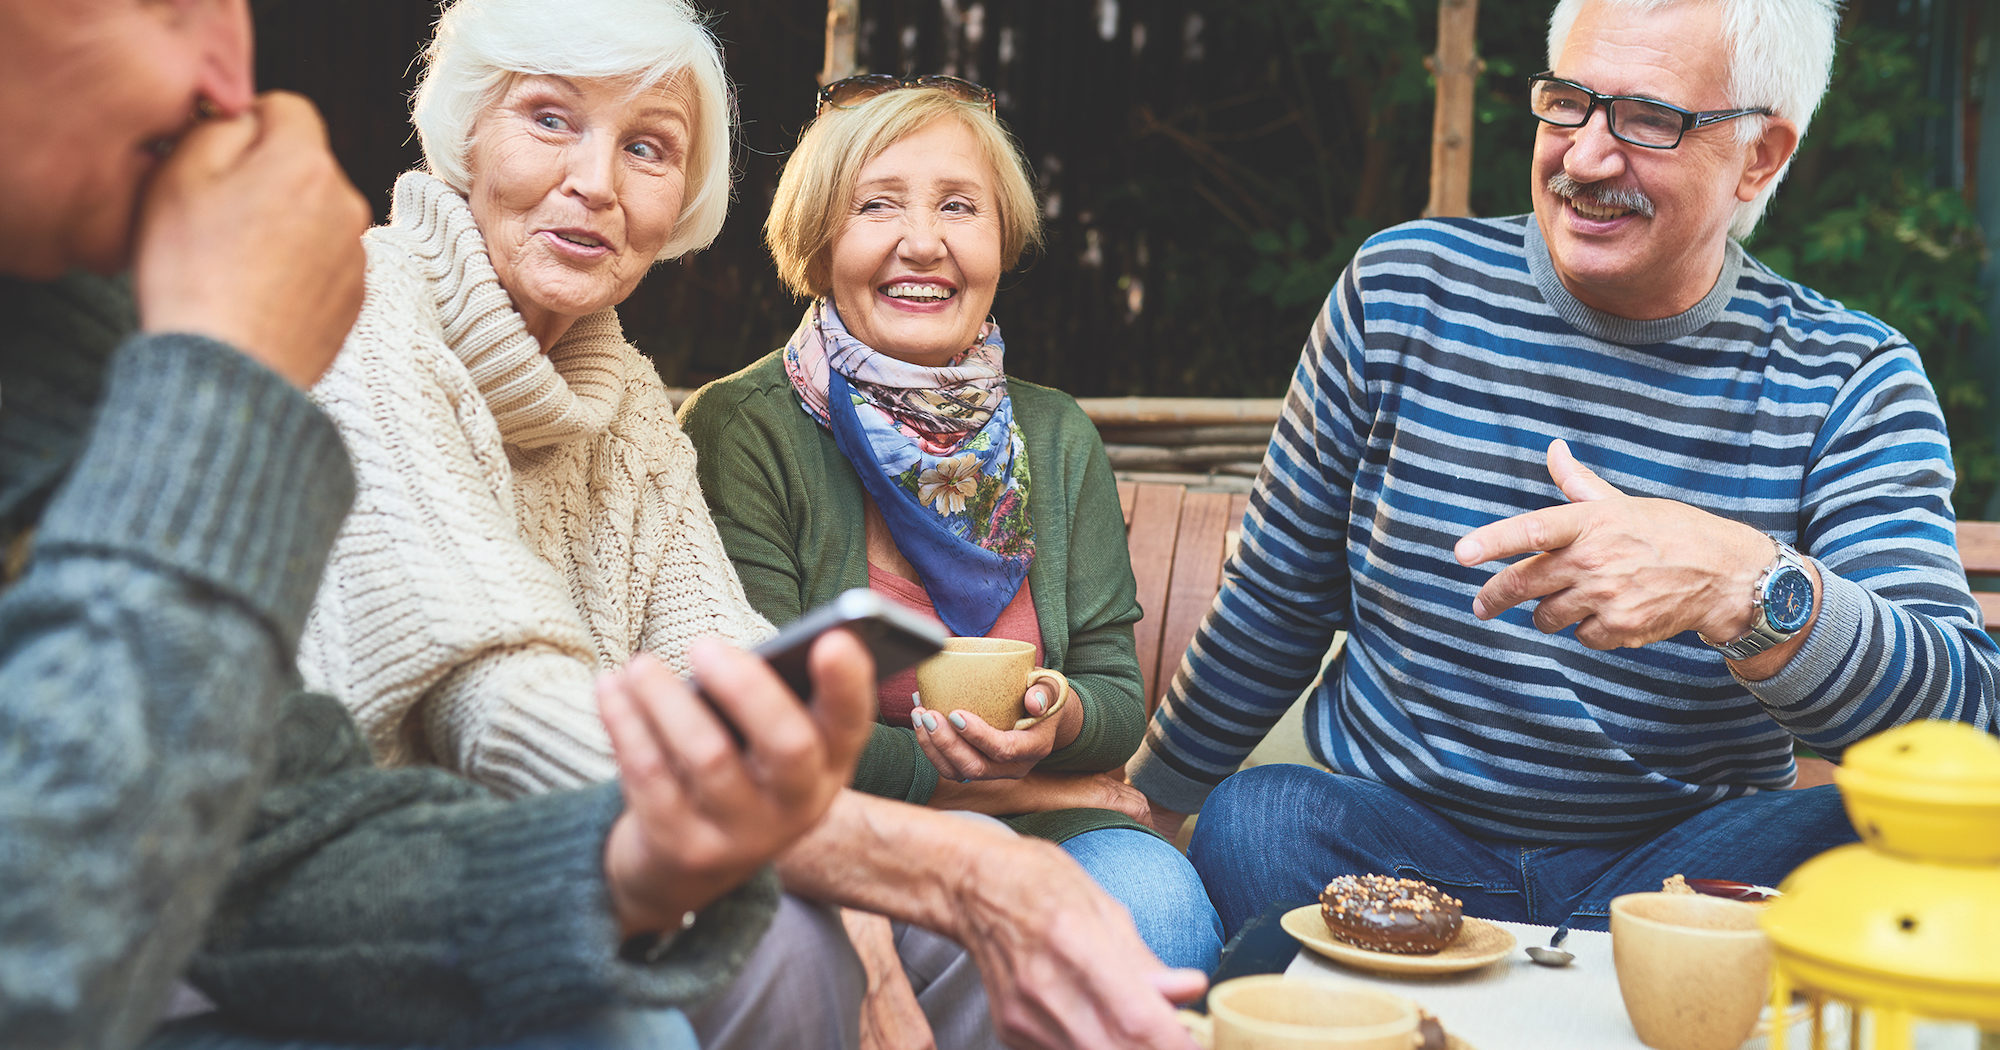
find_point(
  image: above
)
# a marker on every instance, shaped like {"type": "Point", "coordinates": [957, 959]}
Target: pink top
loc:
{"type": "Point", "coordinates": [1017, 621]}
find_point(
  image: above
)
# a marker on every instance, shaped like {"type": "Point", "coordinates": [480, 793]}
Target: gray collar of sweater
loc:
{"type": "Point", "coordinates": [570, 393]}
{"type": "Point", "coordinates": [1611, 328]}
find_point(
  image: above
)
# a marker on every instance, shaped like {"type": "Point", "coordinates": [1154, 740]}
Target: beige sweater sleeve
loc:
{"type": "Point", "coordinates": [435, 624]}
{"type": "Point", "coordinates": [694, 591]}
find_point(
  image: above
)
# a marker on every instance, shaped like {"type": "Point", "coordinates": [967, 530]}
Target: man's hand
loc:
{"type": "Point", "coordinates": [704, 809]}
{"type": "Point", "coordinates": [963, 747]}
{"type": "Point", "coordinates": [251, 234]}
{"type": "Point", "coordinates": [1062, 965]}
{"type": "Point", "coordinates": [1626, 571]}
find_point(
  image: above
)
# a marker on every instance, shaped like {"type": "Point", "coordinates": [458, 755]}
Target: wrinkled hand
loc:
{"type": "Point", "coordinates": [1063, 967]}
{"type": "Point", "coordinates": [1627, 571]}
{"type": "Point", "coordinates": [1042, 792]}
{"type": "Point", "coordinates": [1166, 821]}
{"type": "Point", "coordinates": [891, 1017]}
{"type": "Point", "coordinates": [702, 811]}
{"type": "Point", "coordinates": [251, 234]}
{"type": "Point", "coordinates": [963, 747]}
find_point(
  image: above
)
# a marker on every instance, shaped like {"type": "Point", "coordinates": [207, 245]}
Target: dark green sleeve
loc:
{"type": "Point", "coordinates": [408, 906]}
{"type": "Point", "coordinates": [743, 466]}
{"type": "Point", "coordinates": [176, 512]}
{"type": "Point", "coordinates": [1101, 663]}
{"type": "Point", "coordinates": [755, 478]}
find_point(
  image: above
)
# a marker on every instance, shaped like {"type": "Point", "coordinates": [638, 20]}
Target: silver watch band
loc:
{"type": "Point", "coordinates": [1761, 635]}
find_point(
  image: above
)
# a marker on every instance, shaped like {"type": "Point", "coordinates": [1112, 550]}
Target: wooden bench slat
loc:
{"type": "Point", "coordinates": [1156, 519]}
{"type": "Point", "coordinates": [1205, 523]}
{"type": "Point", "coordinates": [1979, 547]}
{"type": "Point", "coordinates": [1989, 607]}
{"type": "Point", "coordinates": [1128, 492]}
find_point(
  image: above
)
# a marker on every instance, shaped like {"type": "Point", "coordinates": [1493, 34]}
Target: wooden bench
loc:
{"type": "Point", "coordinates": [1179, 540]}
{"type": "Point", "coordinates": [1979, 548]}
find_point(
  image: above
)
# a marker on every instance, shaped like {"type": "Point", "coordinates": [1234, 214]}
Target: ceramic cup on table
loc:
{"type": "Point", "coordinates": [1274, 1012]}
{"type": "Point", "coordinates": [990, 678]}
{"type": "Point", "coordinates": [1694, 971]}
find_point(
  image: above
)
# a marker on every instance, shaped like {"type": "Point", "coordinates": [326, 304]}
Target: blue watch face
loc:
{"type": "Point", "coordinates": [1788, 598]}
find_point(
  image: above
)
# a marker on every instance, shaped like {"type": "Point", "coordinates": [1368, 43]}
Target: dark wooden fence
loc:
{"type": "Point", "coordinates": [1150, 125]}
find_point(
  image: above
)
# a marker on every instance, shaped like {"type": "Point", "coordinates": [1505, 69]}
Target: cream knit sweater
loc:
{"type": "Point", "coordinates": [523, 521]}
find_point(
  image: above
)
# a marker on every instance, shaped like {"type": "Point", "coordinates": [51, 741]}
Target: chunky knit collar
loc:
{"type": "Point", "coordinates": [570, 393]}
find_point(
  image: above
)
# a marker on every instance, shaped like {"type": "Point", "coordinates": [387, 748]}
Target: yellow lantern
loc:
{"type": "Point", "coordinates": [1904, 925]}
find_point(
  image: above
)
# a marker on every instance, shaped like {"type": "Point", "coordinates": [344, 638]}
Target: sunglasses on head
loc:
{"type": "Point", "coordinates": [848, 92]}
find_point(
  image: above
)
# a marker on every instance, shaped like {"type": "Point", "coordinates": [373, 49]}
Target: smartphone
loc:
{"type": "Point", "coordinates": [898, 638]}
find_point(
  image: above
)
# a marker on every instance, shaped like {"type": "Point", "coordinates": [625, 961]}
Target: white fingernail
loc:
{"type": "Point", "coordinates": [957, 720]}
{"type": "Point", "coordinates": [930, 721]}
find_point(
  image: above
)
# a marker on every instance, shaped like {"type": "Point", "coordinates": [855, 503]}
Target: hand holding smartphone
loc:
{"type": "Point", "coordinates": [896, 637]}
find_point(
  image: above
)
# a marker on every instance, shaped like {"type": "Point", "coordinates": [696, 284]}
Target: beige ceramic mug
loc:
{"type": "Point", "coordinates": [990, 678]}
{"type": "Point", "coordinates": [1274, 1012]}
{"type": "Point", "coordinates": [1694, 971]}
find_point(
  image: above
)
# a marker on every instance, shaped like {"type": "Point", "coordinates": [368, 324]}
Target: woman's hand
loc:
{"type": "Point", "coordinates": [963, 747]}
{"type": "Point", "coordinates": [1042, 792]}
{"type": "Point", "coordinates": [717, 783]}
{"type": "Point", "coordinates": [891, 1017]}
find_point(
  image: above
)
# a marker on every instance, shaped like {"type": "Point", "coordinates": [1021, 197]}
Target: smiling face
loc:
{"type": "Point", "coordinates": [576, 185]}
{"type": "Point", "coordinates": [119, 80]}
{"type": "Point", "coordinates": [1635, 232]}
{"type": "Point", "coordinates": [915, 266]}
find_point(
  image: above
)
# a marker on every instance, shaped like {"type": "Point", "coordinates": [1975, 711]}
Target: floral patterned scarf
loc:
{"type": "Point", "coordinates": [939, 453]}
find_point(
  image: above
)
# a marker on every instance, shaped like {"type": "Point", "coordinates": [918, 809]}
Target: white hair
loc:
{"type": "Point", "coordinates": [481, 46]}
{"type": "Point", "coordinates": [1780, 57]}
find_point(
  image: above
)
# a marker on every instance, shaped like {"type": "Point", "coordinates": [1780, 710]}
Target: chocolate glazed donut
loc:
{"type": "Point", "coordinates": [1384, 914]}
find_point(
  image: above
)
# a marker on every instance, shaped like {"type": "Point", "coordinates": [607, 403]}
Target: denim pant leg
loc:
{"type": "Point", "coordinates": [1757, 838]}
{"type": "Point", "coordinates": [611, 1030]}
{"type": "Point", "coordinates": [1158, 886]}
{"type": "Point", "coordinates": [1278, 833]}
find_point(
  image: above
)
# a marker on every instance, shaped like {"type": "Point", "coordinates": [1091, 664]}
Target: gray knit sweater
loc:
{"type": "Point", "coordinates": [175, 503]}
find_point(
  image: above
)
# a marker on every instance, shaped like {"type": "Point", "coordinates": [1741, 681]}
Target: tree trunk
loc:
{"type": "Point", "coordinates": [1456, 67]}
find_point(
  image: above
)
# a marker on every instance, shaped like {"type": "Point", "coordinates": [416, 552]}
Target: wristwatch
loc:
{"type": "Point", "coordinates": [646, 949]}
{"type": "Point", "coordinates": [1781, 602]}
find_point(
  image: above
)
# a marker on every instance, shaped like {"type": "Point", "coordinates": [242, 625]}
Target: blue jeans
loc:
{"type": "Point", "coordinates": [614, 1030]}
{"type": "Point", "coordinates": [1159, 887]}
{"type": "Point", "coordinates": [1280, 832]}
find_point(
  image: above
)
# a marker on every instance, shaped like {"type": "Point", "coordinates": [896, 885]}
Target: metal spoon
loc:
{"type": "Point", "coordinates": [1553, 955]}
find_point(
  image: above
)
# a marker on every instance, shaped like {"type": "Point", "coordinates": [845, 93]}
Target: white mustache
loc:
{"type": "Point", "coordinates": [1568, 188]}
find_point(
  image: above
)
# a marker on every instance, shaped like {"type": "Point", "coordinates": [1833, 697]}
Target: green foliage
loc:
{"type": "Point", "coordinates": [1859, 220]}
{"type": "Point", "coordinates": [1331, 142]}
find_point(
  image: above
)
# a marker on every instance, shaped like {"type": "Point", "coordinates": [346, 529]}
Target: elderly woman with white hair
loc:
{"type": "Point", "coordinates": [528, 513]}
{"type": "Point", "coordinates": [528, 517]}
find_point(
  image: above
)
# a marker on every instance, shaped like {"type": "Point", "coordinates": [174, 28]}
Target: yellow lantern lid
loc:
{"type": "Point", "coordinates": [1928, 790]}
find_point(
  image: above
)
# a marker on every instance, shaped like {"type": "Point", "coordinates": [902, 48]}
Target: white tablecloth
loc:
{"type": "Point", "coordinates": [1516, 1005]}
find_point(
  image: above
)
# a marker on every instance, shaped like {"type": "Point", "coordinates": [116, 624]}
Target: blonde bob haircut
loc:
{"type": "Point", "coordinates": [812, 202]}
{"type": "Point", "coordinates": [482, 46]}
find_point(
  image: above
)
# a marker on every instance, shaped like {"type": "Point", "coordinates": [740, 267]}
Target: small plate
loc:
{"type": "Point", "coordinates": [1479, 943]}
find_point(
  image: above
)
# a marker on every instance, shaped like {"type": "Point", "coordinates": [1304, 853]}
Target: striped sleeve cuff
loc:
{"type": "Point", "coordinates": [1163, 784]}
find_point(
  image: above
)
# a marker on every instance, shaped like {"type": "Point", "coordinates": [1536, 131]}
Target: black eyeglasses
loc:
{"type": "Point", "coordinates": [848, 92]}
{"type": "Point", "coordinates": [1639, 121]}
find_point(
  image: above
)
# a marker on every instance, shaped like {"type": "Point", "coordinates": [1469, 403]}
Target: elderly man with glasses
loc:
{"type": "Point", "coordinates": [1611, 514]}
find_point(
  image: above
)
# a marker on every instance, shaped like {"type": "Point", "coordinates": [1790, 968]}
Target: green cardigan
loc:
{"type": "Point", "coordinates": [790, 509]}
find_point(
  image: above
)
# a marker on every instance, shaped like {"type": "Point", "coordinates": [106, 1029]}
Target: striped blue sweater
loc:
{"type": "Point", "coordinates": [1441, 367]}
